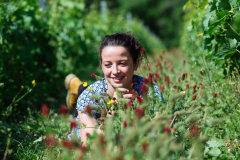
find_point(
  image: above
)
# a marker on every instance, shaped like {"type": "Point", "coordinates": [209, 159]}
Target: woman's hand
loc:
{"type": "Point", "coordinates": [124, 94]}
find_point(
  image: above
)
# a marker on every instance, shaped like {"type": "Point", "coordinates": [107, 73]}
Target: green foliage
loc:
{"type": "Point", "coordinates": [218, 20]}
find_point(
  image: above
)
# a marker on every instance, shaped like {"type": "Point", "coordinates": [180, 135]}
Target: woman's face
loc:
{"type": "Point", "coordinates": [117, 66]}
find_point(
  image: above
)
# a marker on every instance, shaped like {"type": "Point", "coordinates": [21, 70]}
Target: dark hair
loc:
{"type": "Point", "coordinates": [125, 40]}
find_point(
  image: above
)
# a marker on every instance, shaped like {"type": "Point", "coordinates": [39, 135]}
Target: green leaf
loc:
{"type": "Point", "coordinates": [224, 4]}
{"type": "Point", "coordinates": [189, 3]}
{"type": "Point", "coordinates": [207, 17]}
{"type": "Point", "coordinates": [214, 152]}
{"type": "Point", "coordinates": [215, 142]}
{"type": "Point", "coordinates": [232, 2]}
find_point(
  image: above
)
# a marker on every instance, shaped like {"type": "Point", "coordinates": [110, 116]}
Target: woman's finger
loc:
{"type": "Point", "coordinates": [128, 96]}
{"type": "Point", "coordinates": [123, 90]}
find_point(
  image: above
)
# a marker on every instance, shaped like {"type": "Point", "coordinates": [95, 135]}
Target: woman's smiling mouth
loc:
{"type": "Point", "coordinates": [117, 79]}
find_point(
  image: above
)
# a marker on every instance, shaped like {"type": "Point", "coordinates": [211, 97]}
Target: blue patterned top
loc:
{"type": "Point", "coordinates": [101, 86]}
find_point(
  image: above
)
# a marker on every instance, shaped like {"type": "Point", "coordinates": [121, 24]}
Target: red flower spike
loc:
{"type": "Point", "coordinates": [68, 132]}
{"type": "Point", "coordinates": [132, 84]}
{"type": "Point", "coordinates": [152, 56]}
{"type": "Point", "coordinates": [73, 124]}
{"type": "Point", "coordinates": [68, 144]}
{"type": "Point", "coordinates": [139, 112]}
{"type": "Point", "coordinates": [44, 110]}
{"type": "Point", "coordinates": [194, 130]}
{"type": "Point", "coordinates": [215, 94]}
{"type": "Point", "coordinates": [194, 91]}
{"type": "Point", "coordinates": [129, 104]}
{"type": "Point", "coordinates": [187, 86]}
{"type": "Point", "coordinates": [96, 100]}
{"type": "Point", "coordinates": [124, 124]}
{"type": "Point", "coordinates": [143, 88]}
{"type": "Point", "coordinates": [144, 146]}
{"type": "Point", "coordinates": [154, 80]}
{"type": "Point", "coordinates": [167, 80]}
{"type": "Point", "coordinates": [174, 129]}
{"type": "Point", "coordinates": [161, 89]}
{"type": "Point", "coordinates": [93, 75]}
{"type": "Point", "coordinates": [121, 135]}
{"type": "Point", "coordinates": [170, 121]}
{"type": "Point", "coordinates": [115, 114]}
{"type": "Point", "coordinates": [179, 80]}
{"type": "Point", "coordinates": [50, 141]}
{"type": "Point", "coordinates": [157, 76]}
{"type": "Point", "coordinates": [149, 67]}
{"type": "Point", "coordinates": [145, 81]}
{"type": "Point", "coordinates": [194, 97]}
{"type": "Point", "coordinates": [138, 73]}
{"type": "Point", "coordinates": [63, 109]}
{"type": "Point", "coordinates": [139, 99]}
{"type": "Point", "coordinates": [177, 115]}
{"type": "Point", "coordinates": [195, 86]}
{"type": "Point", "coordinates": [88, 109]}
{"type": "Point", "coordinates": [183, 76]}
{"type": "Point", "coordinates": [161, 56]}
{"type": "Point", "coordinates": [87, 134]}
{"type": "Point", "coordinates": [83, 148]}
{"type": "Point", "coordinates": [167, 130]}
{"type": "Point", "coordinates": [143, 52]}
{"type": "Point", "coordinates": [184, 61]}
{"type": "Point", "coordinates": [102, 139]}
{"type": "Point", "coordinates": [144, 67]}
{"type": "Point", "coordinates": [163, 51]}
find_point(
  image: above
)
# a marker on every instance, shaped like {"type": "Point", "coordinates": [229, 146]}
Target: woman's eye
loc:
{"type": "Point", "coordinates": [107, 65]}
{"type": "Point", "coordinates": [123, 63]}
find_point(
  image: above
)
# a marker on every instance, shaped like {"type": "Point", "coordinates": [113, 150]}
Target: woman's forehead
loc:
{"type": "Point", "coordinates": [115, 52]}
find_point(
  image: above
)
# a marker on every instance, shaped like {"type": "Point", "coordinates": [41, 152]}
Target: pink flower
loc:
{"type": "Point", "coordinates": [44, 110]}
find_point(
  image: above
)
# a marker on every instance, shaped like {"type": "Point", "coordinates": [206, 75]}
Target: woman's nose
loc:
{"type": "Point", "coordinates": [115, 69]}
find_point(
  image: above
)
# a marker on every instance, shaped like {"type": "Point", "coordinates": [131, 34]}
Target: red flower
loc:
{"type": "Point", "coordinates": [143, 88]}
{"type": "Point", "coordinates": [73, 124]}
{"type": "Point", "coordinates": [88, 109]}
{"type": "Point", "coordinates": [134, 92]}
{"type": "Point", "coordinates": [115, 114]}
{"type": "Point", "coordinates": [144, 146]}
{"type": "Point", "coordinates": [194, 97]}
{"type": "Point", "coordinates": [44, 110]}
{"type": "Point", "coordinates": [143, 52]}
{"type": "Point", "coordinates": [96, 100]}
{"type": "Point", "coordinates": [144, 67]}
{"type": "Point", "coordinates": [102, 139]}
{"type": "Point", "coordinates": [139, 112]}
{"type": "Point", "coordinates": [68, 144]}
{"type": "Point", "coordinates": [152, 56]}
{"type": "Point", "coordinates": [93, 75]}
{"type": "Point", "coordinates": [149, 67]}
{"type": "Point", "coordinates": [145, 81]}
{"type": "Point", "coordinates": [157, 76]}
{"type": "Point", "coordinates": [194, 87]}
{"type": "Point", "coordinates": [87, 134]}
{"type": "Point", "coordinates": [194, 91]}
{"type": "Point", "coordinates": [63, 109]}
{"type": "Point", "coordinates": [124, 124]}
{"type": "Point", "coordinates": [187, 86]}
{"type": "Point", "coordinates": [83, 148]}
{"type": "Point", "coordinates": [161, 56]}
{"type": "Point", "coordinates": [183, 76]}
{"type": "Point", "coordinates": [202, 87]}
{"type": "Point", "coordinates": [140, 100]}
{"type": "Point", "coordinates": [167, 80]}
{"type": "Point", "coordinates": [174, 129]}
{"type": "Point", "coordinates": [150, 78]}
{"type": "Point", "coordinates": [121, 135]}
{"type": "Point", "coordinates": [163, 51]}
{"type": "Point", "coordinates": [184, 61]}
{"type": "Point", "coordinates": [50, 141]}
{"type": "Point", "coordinates": [132, 84]}
{"type": "Point", "coordinates": [215, 94]}
{"type": "Point", "coordinates": [194, 130]}
{"type": "Point", "coordinates": [129, 104]}
{"type": "Point", "coordinates": [161, 89]}
{"type": "Point", "coordinates": [167, 130]}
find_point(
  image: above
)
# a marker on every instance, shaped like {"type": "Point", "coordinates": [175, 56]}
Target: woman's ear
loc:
{"type": "Point", "coordinates": [136, 65]}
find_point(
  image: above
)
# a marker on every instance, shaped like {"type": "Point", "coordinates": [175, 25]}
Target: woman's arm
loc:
{"type": "Point", "coordinates": [89, 122]}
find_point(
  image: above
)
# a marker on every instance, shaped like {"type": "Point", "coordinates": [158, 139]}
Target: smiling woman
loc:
{"type": "Point", "coordinates": [120, 55]}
